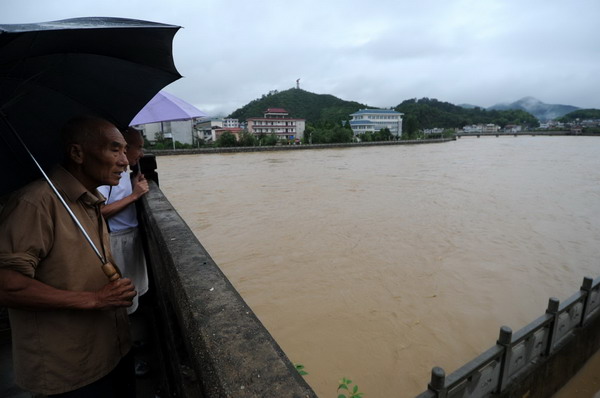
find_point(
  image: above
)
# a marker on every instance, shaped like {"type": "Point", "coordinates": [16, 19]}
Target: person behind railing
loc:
{"type": "Point", "coordinates": [70, 330]}
{"type": "Point", "coordinates": [120, 214]}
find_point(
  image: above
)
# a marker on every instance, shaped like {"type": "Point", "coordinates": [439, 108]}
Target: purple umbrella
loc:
{"type": "Point", "coordinates": [166, 107]}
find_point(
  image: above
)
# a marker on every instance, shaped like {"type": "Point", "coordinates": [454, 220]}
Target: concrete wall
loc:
{"type": "Point", "coordinates": [214, 345]}
{"type": "Point", "coordinates": [292, 147]}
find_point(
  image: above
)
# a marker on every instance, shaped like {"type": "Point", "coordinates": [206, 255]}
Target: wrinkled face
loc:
{"type": "Point", "coordinates": [135, 149]}
{"type": "Point", "coordinates": [104, 157]}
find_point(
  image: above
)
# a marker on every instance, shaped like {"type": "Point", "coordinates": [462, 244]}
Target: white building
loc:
{"type": "Point", "coordinates": [513, 128]}
{"type": "Point", "coordinates": [231, 123]}
{"type": "Point", "coordinates": [435, 130]}
{"type": "Point", "coordinates": [180, 130]}
{"type": "Point", "coordinates": [210, 128]}
{"type": "Point", "coordinates": [277, 121]}
{"type": "Point", "coordinates": [482, 128]}
{"type": "Point", "coordinates": [205, 127]}
{"type": "Point", "coordinates": [491, 128]}
{"type": "Point", "coordinates": [474, 128]}
{"type": "Point", "coordinates": [372, 120]}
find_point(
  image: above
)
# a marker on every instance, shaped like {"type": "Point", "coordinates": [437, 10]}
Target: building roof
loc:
{"type": "Point", "coordinates": [377, 111]}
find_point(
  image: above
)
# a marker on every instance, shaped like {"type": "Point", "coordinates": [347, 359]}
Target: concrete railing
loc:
{"type": "Point", "coordinates": [213, 344]}
{"type": "Point", "coordinates": [534, 362]}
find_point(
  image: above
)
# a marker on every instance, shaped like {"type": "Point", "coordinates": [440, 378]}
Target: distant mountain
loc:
{"type": "Point", "coordinates": [328, 110]}
{"type": "Point", "coordinates": [537, 108]}
{"type": "Point", "coordinates": [581, 114]}
{"type": "Point", "coordinates": [430, 113]}
{"type": "Point", "coordinates": [315, 108]}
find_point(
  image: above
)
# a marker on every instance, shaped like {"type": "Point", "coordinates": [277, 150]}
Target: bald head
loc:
{"type": "Point", "coordinates": [84, 131]}
{"type": "Point", "coordinates": [135, 145]}
{"type": "Point", "coordinates": [132, 134]}
{"type": "Point", "coordinates": [94, 151]}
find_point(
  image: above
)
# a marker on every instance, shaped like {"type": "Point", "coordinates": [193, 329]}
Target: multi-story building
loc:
{"type": "Point", "coordinates": [277, 121]}
{"type": "Point", "coordinates": [372, 120]}
{"type": "Point", "coordinates": [513, 128]}
{"type": "Point", "coordinates": [206, 127]}
{"type": "Point", "coordinates": [481, 128]}
{"type": "Point", "coordinates": [230, 123]}
{"type": "Point", "coordinates": [178, 130]}
{"type": "Point", "coordinates": [491, 128]}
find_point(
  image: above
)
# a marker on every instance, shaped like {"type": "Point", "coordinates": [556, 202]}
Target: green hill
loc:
{"type": "Point", "coordinates": [326, 110]}
{"type": "Point", "coordinates": [431, 113]}
{"type": "Point", "coordinates": [581, 114]}
{"type": "Point", "coordinates": [317, 109]}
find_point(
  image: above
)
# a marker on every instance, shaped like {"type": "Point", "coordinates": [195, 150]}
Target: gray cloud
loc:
{"type": "Point", "coordinates": [464, 51]}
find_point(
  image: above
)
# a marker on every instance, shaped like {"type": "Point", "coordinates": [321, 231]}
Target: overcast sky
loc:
{"type": "Point", "coordinates": [379, 53]}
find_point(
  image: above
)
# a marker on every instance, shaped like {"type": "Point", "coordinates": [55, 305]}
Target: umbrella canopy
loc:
{"type": "Point", "coordinates": [166, 107]}
{"type": "Point", "coordinates": [53, 71]}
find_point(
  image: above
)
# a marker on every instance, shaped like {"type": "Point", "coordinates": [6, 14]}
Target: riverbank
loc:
{"type": "Point", "coordinates": [169, 152]}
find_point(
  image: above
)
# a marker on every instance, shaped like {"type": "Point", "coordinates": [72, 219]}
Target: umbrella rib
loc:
{"type": "Point", "coordinates": [53, 187]}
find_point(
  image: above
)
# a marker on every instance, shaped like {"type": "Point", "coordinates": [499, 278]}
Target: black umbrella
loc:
{"type": "Point", "coordinates": [53, 71]}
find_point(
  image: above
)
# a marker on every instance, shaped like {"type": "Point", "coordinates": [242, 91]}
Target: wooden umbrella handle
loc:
{"type": "Point", "coordinates": [110, 271]}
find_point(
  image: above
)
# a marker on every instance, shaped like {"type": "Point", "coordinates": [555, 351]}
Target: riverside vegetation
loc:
{"type": "Point", "coordinates": [345, 386]}
{"type": "Point", "coordinates": [327, 119]}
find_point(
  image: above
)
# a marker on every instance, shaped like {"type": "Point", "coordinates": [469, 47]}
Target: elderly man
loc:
{"type": "Point", "coordinates": [69, 323]}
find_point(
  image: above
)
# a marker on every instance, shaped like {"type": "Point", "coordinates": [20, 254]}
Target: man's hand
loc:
{"type": "Point", "coordinates": [25, 293]}
{"type": "Point", "coordinates": [139, 186]}
{"type": "Point", "coordinates": [119, 293]}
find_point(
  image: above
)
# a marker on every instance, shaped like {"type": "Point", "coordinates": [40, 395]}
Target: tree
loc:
{"type": "Point", "coordinates": [227, 139]}
{"type": "Point", "coordinates": [247, 139]}
{"type": "Point", "coordinates": [270, 140]}
{"type": "Point", "coordinates": [383, 135]}
{"type": "Point", "coordinates": [410, 128]}
{"type": "Point", "coordinates": [340, 134]}
{"type": "Point", "coordinates": [308, 133]}
{"type": "Point", "coordinates": [321, 136]}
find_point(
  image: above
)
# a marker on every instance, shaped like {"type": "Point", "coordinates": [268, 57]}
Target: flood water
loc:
{"type": "Point", "coordinates": [378, 263]}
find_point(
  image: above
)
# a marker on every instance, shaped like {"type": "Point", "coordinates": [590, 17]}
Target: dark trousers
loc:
{"type": "Point", "coordinates": [120, 383]}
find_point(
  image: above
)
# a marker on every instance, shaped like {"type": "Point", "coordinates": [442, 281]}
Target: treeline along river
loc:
{"type": "Point", "coordinates": [379, 263]}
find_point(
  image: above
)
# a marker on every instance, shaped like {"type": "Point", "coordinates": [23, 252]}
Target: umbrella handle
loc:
{"type": "Point", "coordinates": [110, 271]}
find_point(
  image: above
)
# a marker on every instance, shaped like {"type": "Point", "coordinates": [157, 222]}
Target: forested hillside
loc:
{"type": "Point", "coordinates": [581, 114]}
{"type": "Point", "coordinates": [317, 109]}
{"type": "Point", "coordinates": [327, 110]}
{"type": "Point", "coordinates": [431, 113]}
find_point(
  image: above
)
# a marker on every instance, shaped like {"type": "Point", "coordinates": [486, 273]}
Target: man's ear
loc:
{"type": "Point", "coordinates": [76, 153]}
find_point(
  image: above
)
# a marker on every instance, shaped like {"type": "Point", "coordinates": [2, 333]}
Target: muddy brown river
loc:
{"type": "Point", "coordinates": [378, 263]}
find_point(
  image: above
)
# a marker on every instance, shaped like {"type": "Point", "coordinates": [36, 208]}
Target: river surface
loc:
{"type": "Point", "coordinates": [378, 263]}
